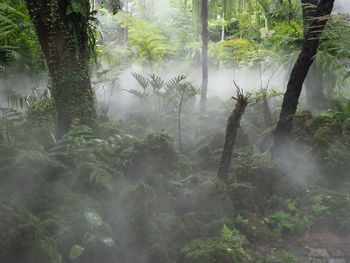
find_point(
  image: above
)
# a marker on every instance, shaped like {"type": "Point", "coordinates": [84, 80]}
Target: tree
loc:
{"type": "Point", "coordinates": [231, 133]}
{"type": "Point", "coordinates": [205, 39]}
{"type": "Point", "coordinates": [66, 38]}
{"type": "Point", "coordinates": [314, 89]}
{"type": "Point", "coordinates": [298, 75]}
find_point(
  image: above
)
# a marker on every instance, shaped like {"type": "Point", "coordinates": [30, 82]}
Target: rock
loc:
{"type": "Point", "coordinates": [159, 254]}
{"type": "Point", "coordinates": [336, 253]}
{"type": "Point", "coordinates": [319, 260]}
{"type": "Point", "coordinates": [336, 260]}
{"type": "Point", "coordinates": [318, 253]}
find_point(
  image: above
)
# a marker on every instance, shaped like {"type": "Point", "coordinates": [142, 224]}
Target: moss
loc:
{"type": "Point", "coordinates": [243, 196]}
{"type": "Point", "coordinates": [156, 154]}
{"type": "Point", "coordinates": [138, 216]}
{"type": "Point", "coordinates": [205, 158]}
{"type": "Point", "coordinates": [325, 128]}
{"type": "Point", "coordinates": [190, 227]}
{"type": "Point", "coordinates": [346, 130]}
{"type": "Point", "coordinates": [256, 170]}
{"type": "Point", "coordinates": [157, 253]}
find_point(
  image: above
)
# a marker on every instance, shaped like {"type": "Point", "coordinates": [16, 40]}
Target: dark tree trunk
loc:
{"type": "Point", "coordinates": [314, 88]}
{"type": "Point", "coordinates": [63, 35]}
{"type": "Point", "coordinates": [297, 78]}
{"type": "Point", "coordinates": [205, 40]}
{"type": "Point", "coordinates": [308, 12]}
{"type": "Point", "coordinates": [231, 134]}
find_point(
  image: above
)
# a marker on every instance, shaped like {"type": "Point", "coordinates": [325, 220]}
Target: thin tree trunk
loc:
{"type": "Point", "coordinates": [231, 134]}
{"type": "Point", "coordinates": [266, 112]}
{"type": "Point", "coordinates": [205, 40]}
{"type": "Point", "coordinates": [63, 37]}
{"type": "Point", "coordinates": [297, 78]}
{"type": "Point", "coordinates": [179, 122]}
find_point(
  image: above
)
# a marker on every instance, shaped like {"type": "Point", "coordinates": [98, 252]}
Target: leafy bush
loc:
{"type": "Point", "coordinates": [288, 36]}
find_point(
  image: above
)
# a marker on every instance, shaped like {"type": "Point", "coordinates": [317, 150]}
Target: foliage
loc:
{"type": "Point", "coordinates": [287, 36]}
{"type": "Point", "coordinates": [212, 250]}
{"type": "Point", "coordinates": [285, 257]}
{"type": "Point", "coordinates": [146, 40]}
{"type": "Point", "coordinates": [283, 223]}
{"type": "Point", "coordinates": [18, 39]}
{"type": "Point", "coordinates": [159, 98]}
{"type": "Point", "coordinates": [234, 50]}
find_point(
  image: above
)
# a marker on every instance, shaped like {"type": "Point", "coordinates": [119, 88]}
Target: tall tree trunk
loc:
{"type": "Point", "coordinates": [297, 78]}
{"type": "Point", "coordinates": [266, 111]}
{"type": "Point", "coordinates": [205, 40]}
{"type": "Point", "coordinates": [62, 30]}
{"type": "Point", "coordinates": [309, 12]}
{"type": "Point", "coordinates": [231, 134]}
{"type": "Point", "coordinates": [314, 88]}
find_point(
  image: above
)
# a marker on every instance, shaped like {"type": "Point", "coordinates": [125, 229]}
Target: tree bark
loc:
{"type": "Point", "coordinates": [308, 13]}
{"type": "Point", "coordinates": [297, 78]}
{"type": "Point", "coordinates": [314, 88]}
{"type": "Point", "coordinates": [266, 112]}
{"type": "Point", "coordinates": [205, 40]}
{"type": "Point", "coordinates": [63, 36]}
{"type": "Point", "coordinates": [231, 134]}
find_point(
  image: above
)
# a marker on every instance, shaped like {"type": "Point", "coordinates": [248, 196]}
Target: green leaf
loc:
{"type": "Point", "coordinates": [76, 252]}
{"type": "Point", "coordinates": [108, 241]}
{"type": "Point", "coordinates": [93, 217]}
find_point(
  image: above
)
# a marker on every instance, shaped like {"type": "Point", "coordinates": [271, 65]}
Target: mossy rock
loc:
{"type": "Point", "coordinates": [300, 119]}
{"type": "Point", "coordinates": [140, 198]}
{"type": "Point", "coordinates": [155, 154]}
{"type": "Point", "coordinates": [243, 197]}
{"type": "Point", "coordinates": [325, 128]}
{"type": "Point", "coordinates": [346, 130]}
{"type": "Point", "coordinates": [137, 216]}
{"type": "Point", "coordinates": [256, 170]}
{"type": "Point", "coordinates": [158, 253]}
{"type": "Point", "coordinates": [205, 159]}
{"type": "Point", "coordinates": [204, 194]}
{"type": "Point", "coordinates": [190, 227]}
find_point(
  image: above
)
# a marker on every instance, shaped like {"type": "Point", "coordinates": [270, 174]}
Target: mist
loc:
{"type": "Point", "coordinates": [342, 6]}
{"type": "Point", "coordinates": [119, 163]}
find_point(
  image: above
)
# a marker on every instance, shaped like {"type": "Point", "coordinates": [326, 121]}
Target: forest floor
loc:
{"type": "Point", "coordinates": [322, 244]}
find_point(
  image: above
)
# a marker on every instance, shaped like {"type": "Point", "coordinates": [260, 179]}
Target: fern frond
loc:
{"type": "Point", "coordinates": [143, 81]}
{"type": "Point", "coordinates": [101, 177]}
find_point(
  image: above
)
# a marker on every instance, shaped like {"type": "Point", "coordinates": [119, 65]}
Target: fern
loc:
{"type": "Point", "coordinates": [101, 177]}
{"type": "Point", "coordinates": [146, 40]}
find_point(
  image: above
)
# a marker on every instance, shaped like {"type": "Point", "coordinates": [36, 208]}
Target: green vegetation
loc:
{"type": "Point", "coordinates": [105, 155]}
